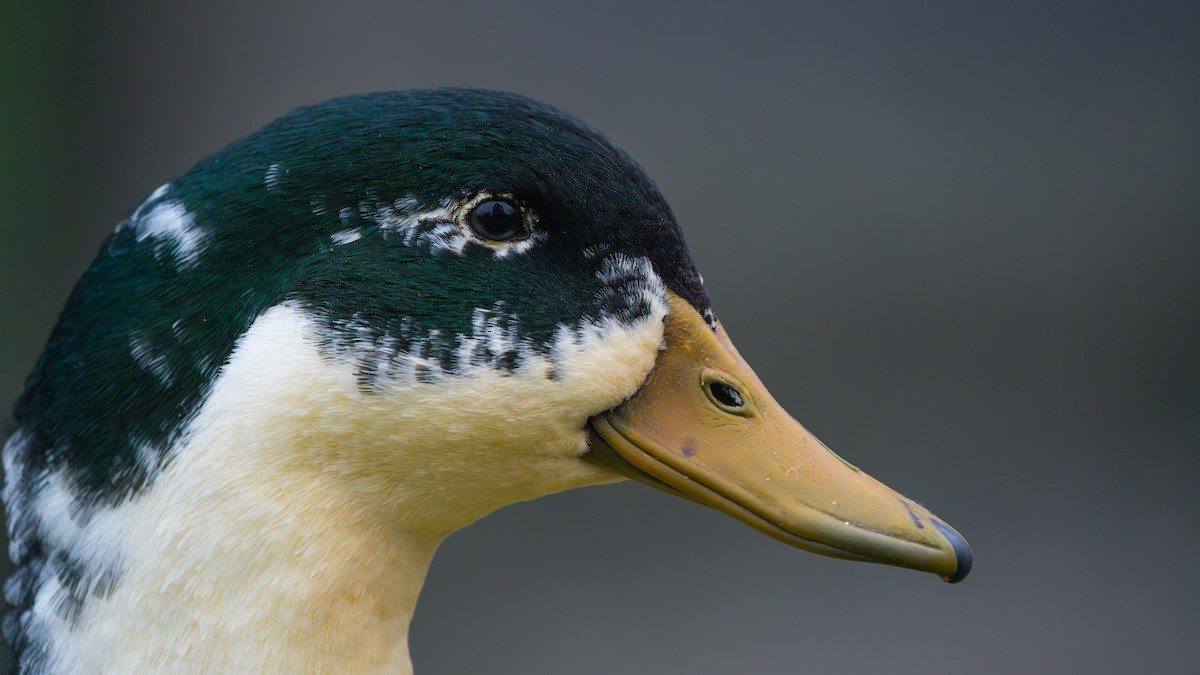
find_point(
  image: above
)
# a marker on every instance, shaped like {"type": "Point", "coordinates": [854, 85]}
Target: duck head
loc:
{"type": "Point", "coordinates": [392, 314]}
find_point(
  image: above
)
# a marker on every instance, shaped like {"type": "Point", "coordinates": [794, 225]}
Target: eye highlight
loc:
{"type": "Point", "coordinates": [497, 220]}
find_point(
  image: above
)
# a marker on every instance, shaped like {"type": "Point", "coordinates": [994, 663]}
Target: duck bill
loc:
{"type": "Point", "coordinates": [704, 427]}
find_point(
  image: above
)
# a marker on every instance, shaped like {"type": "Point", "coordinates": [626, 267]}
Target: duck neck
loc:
{"type": "Point", "coordinates": [251, 567]}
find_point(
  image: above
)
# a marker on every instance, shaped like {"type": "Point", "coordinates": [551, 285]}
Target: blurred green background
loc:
{"type": "Point", "coordinates": [961, 243]}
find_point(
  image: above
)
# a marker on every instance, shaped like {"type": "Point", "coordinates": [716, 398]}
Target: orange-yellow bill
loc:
{"type": "Point", "coordinates": [705, 428]}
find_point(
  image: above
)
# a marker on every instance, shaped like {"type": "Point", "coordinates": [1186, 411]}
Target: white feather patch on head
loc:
{"type": "Point", "coordinates": [345, 237]}
{"type": "Point", "coordinates": [648, 290]}
{"type": "Point", "coordinates": [273, 177]}
{"type": "Point", "coordinates": [147, 358]}
{"type": "Point", "coordinates": [170, 225]}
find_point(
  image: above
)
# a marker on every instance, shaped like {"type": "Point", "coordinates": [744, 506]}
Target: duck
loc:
{"type": "Point", "coordinates": [291, 372]}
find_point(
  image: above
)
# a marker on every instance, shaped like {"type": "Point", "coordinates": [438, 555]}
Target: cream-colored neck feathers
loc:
{"type": "Point", "coordinates": [294, 527]}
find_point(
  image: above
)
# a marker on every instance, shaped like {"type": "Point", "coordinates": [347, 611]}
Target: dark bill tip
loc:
{"type": "Point", "coordinates": [962, 552]}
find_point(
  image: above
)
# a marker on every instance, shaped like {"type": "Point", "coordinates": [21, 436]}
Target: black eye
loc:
{"type": "Point", "coordinates": [497, 220]}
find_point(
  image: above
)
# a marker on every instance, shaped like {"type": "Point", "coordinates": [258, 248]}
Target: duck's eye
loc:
{"type": "Point", "coordinates": [497, 220]}
{"type": "Point", "coordinates": [726, 396]}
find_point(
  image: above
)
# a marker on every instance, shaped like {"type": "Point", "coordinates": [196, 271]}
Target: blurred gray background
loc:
{"type": "Point", "coordinates": [960, 243]}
